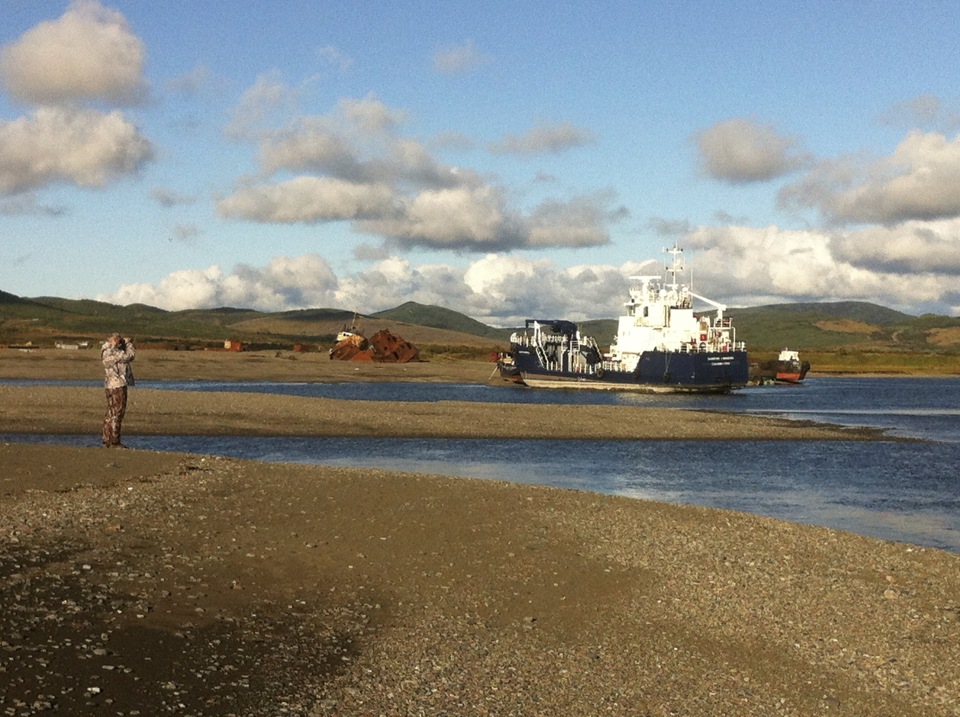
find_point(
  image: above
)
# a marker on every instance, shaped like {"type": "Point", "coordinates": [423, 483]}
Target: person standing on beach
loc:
{"type": "Point", "coordinates": [116, 355]}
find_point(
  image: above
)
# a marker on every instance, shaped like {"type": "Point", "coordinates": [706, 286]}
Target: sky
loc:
{"type": "Point", "coordinates": [504, 159]}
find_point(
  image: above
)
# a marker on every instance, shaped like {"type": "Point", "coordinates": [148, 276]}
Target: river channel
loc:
{"type": "Point", "coordinates": [906, 491]}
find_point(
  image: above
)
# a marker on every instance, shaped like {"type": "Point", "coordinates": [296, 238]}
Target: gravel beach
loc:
{"type": "Point", "coordinates": [142, 583]}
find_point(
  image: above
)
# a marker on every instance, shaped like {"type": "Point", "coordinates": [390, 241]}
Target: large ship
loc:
{"type": "Point", "coordinates": [661, 346]}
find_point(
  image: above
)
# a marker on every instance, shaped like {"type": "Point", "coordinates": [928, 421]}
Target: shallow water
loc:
{"type": "Point", "coordinates": [900, 490]}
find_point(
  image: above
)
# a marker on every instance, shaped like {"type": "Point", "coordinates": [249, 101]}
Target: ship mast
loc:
{"type": "Point", "coordinates": [676, 265]}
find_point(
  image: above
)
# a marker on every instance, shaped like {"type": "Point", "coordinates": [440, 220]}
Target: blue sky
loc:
{"type": "Point", "coordinates": [502, 159]}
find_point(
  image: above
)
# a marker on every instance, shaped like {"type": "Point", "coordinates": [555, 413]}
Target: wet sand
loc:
{"type": "Point", "coordinates": [46, 409]}
{"type": "Point", "coordinates": [135, 582]}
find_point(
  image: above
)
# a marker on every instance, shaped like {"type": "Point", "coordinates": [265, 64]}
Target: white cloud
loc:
{"type": "Point", "coordinates": [920, 180]}
{"type": "Point", "coordinates": [307, 200]}
{"type": "Point", "coordinates": [371, 116]}
{"type": "Point", "coordinates": [332, 56]}
{"type": "Point", "coordinates": [451, 218]}
{"type": "Point", "coordinates": [26, 204]}
{"type": "Point", "coordinates": [741, 151]}
{"type": "Point", "coordinates": [737, 265]}
{"type": "Point", "coordinates": [507, 289]}
{"type": "Point", "coordinates": [89, 53]}
{"type": "Point", "coordinates": [577, 222]}
{"type": "Point", "coordinates": [750, 266]}
{"type": "Point", "coordinates": [459, 59]}
{"type": "Point", "coordinates": [168, 198]}
{"type": "Point", "coordinates": [910, 248]}
{"type": "Point", "coordinates": [545, 138]}
{"type": "Point", "coordinates": [326, 145]}
{"type": "Point", "coordinates": [354, 165]}
{"type": "Point", "coordinates": [501, 290]}
{"type": "Point", "coordinates": [81, 147]}
{"type": "Point", "coordinates": [196, 82]}
{"type": "Point", "coordinates": [285, 283]}
{"type": "Point", "coordinates": [312, 144]}
{"type": "Point", "coordinates": [268, 101]}
{"type": "Point", "coordinates": [927, 110]}
{"type": "Point", "coordinates": [185, 232]}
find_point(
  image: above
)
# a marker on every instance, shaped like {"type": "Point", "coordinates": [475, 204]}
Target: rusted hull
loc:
{"type": "Point", "coordinates": [382, 347]}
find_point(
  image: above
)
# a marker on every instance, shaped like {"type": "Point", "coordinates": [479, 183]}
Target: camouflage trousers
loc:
{"type": "Point", "coordinates": [116, 408]}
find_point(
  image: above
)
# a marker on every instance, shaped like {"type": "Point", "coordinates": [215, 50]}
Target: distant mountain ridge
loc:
{"type": "Point", "coordinates": [805, 326]}
{"type": "Point", "coordinates": [857, 310]}
{"type": "Point", "coordinates": [439, 318]}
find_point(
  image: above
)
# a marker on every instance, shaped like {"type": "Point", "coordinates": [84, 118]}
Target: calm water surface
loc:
{"type": "Point", "coordinates": [899, 490]}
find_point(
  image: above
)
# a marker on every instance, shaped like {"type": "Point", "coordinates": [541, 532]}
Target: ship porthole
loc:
{"type": "Point", "coordinates": [599, 373]}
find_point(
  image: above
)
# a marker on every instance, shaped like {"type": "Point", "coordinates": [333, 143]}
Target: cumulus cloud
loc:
{"type": "Point", "coordinates": [285, 283]}
{"type": "Point", "coordinates": [451, 218]}
{"type": "Point", "coordinates": [749, 266]}
{"type": "Point", "coordinates": [80, 147]}
{"type": "Point", "coordinates": [928, 111]}
{"type": "Point", "coordinates": [740, 151]}
{"type": "Point", "coordinates": [478, 219]}
{"type": "Point", "coordinates": [333, 57]}
{"type": "Point", "coordinates": [195, 82]}
{"type": "Point", "coordinates": [307, 200]}
{"type": "Point", "coordinates": [168, 198]}
{"type": "Point", "coordinates": [27, 204]}
{"type": "Point", "coordinates": [508, 289]}
{"type": "Point", "coordinates": [324, 145]}
{"type": "Point", "coordinates": [354, 164]}
{"type": "Point", "coordinates": [458, 59]}
{"type": "Point", "coordinates": [185, 232]}
{"type": "Point", "coordinates": [267, 101]}
{"type": "Point", "coordinates": [908, 267]}
{"type": "Point", "coordinates": [920, 180]}
{"type": "Point", "coordinates": [669, 227]}
{"type": "Point", "coordinates": [89, 53]}
{"type": "Point", "coordinates": [910, 248]}
{"type": "Point", "coordinates": [545, 138]}
{"type": "Point", "coordinates": [500, 290]}
{"type": "Point", "coordinates": [578, 222]}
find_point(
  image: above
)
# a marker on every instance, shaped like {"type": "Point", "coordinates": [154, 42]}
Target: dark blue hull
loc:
{"type": "Point", "coordinates": [657, 371]}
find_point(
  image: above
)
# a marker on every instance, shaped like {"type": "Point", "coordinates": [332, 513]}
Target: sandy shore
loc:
{"type": "Point", "coordinates": [134, 582]}
{"type": "Point", "coordinates": [33, 409]}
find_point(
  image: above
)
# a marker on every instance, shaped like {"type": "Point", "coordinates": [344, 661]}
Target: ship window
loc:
{"type": "Point", "coordinates": [646, 311]}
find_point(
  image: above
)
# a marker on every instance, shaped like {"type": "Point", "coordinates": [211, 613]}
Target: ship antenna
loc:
{"type": "Point", "coordinates": [676, 266]}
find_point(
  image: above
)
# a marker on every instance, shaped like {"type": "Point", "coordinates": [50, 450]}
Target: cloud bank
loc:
{"type": "Point", "coordinates": [88, 55]}
{"type": "Point", "coordinates": [354, 164]}
{"type": "Point", "coordinates": [916, 265]}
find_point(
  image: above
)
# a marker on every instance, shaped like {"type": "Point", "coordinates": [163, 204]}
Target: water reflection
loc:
{"type": "Point", "coordinates": [886, 489]}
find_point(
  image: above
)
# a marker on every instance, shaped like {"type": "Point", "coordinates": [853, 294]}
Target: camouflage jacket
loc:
{"type": "Point", "coordinates": [116, 364]}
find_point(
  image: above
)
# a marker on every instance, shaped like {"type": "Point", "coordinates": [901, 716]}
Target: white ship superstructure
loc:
{"type": "Point", "coordinates": [659, 317]}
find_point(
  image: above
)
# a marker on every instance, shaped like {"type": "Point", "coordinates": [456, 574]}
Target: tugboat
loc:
{"type": "Point", "coordinates": [660, 347]}
{"type": "Point", "coordinates": [790, 369]}
{"type": "Point", "coordinates": [786, 368]}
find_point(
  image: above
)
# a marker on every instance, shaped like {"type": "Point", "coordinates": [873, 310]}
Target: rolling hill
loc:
{"type": "Point", "coordinates": [829, 327]}
{"type": "Point", "coordinates": [44, 321]}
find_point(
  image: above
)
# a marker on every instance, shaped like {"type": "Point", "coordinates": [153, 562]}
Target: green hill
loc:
{"type": "Point", "coordinates": [441, 318]}
{"type": "Point", "coordinates": [830, 327]}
